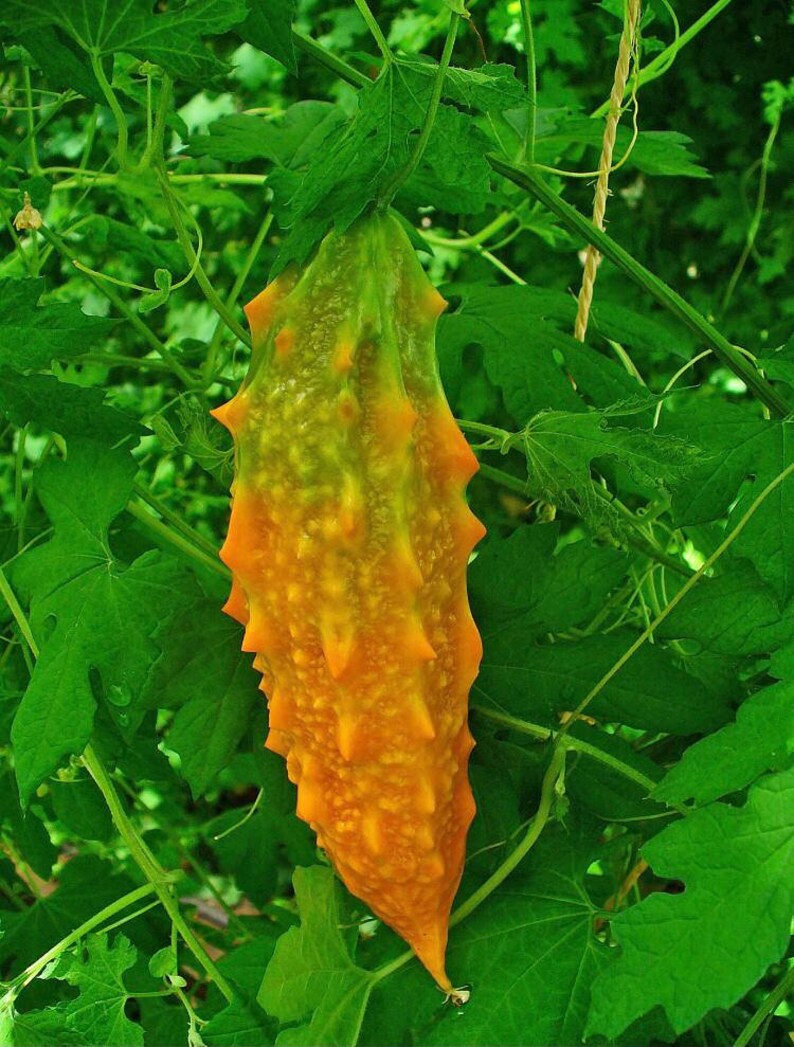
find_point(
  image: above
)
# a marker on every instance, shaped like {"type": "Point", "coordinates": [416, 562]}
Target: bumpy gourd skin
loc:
{"type": "Point", "coordinates": [348, 542]}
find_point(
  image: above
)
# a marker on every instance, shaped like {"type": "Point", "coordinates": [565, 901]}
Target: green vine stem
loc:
{"type": "Point", "coordinates": [636, 538]}
{"type": "Point", "coordinates": [552, 776]}
{"type": "Point", "coordinates": [686, 588]}
{"type": "Point", "coordinates": [172, 537]}
{"type": "Point", "coordinates": [781, 992]}
{"type": "Point", "coordinates": [331, 62]}
{"type": "Point", "coordinates": [393, 185]}
{"type": "Point", "coordinates": [212, 296]}
{"type": "Point", "coordinates": [572, 743]}
{"type": "Point", "coordinates": [665, 58]}
{"type": "Point", "coordinates": [31, 135]}
{"type": "Point", "coordinates": [666, 296]}
{"type": "Point", "coordinates": [528, 148]}
{"type": "Point", "coordinates": [469, 243]}
{"type": "Point", "coordinates": [152, 870]}
{"type": "Point", "coordinates": [79, 178]}
{"type": "Point", "coordinates": [174, 519]}
{"type": "Point", "coordinates": [554, 773]}
{"type": "Point", "coordinates": [55, 108]}
{"type": "Point", "coordinates": [33, 970]}
{"type": "Point", "coordinates": [758, 213]}
{"type": "Point", "coordinates": [18, 614]}
{"type": "Point", "coordinates": [208, 373]}
{"type": "Point", "coordinates": [155, 143]}
{"type": "Point", "coordinates": [115, 108]}
{"type": "Point", "coordinates": [160, 880]}
{"type": "Point", "coordinates": [121, 306]}
{"type": "Point", "coordinates": [374, 28]}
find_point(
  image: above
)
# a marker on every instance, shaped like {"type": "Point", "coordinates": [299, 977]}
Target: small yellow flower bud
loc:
{"type": "Point", "coordinates": [28, 217]}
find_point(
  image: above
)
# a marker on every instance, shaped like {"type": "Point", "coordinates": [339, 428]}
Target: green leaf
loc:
{"type": "Point", "coordinates": [519, 329]}
{"type": "Point", "coordinates": [39, 1028]}
{"type": "Point", "coordinates": [288, 139]}
{"type": "Point", "coordinates": [170, 39]}
{"type": "Point", "coordinates": [560, 448]}
{"type": "Point", "coordinates": [32, 336]}
{"type": "Point", "coordinates": [519, 350]}
{"type": "Point", "coordinates": [540, 682]}
{"type": "Point", "coordinates": [85, 885]}
{"type": "Point", "coordinates": [125, 241]}
{"type": "Point", "coordinates": [734, 613]}
{"type": "Point", "coordinates": [492, 86]}
{"type": "Point", "coordinates": [97, 1015]}
{"type": "Point", "coordinates": [654, 152]}
{"type": "Point", "coordinates": [528, 953]}
{"type": "Point", "coordinates": [64, 62]}
{"type": "Point", "coordinates": [80, 809]}
{"type": "Point", "coordinates": [342, 181]}
{"type": "Point", "coordinates": [238, 1025]}
{"type": "Point", "coordinates": [27, 831]}
{"type": "Point", "coordinates": [205, 676]}
{"type": "Point", "coordinates": [520, 582]}
{"type": "Point", "coordinates": [269, 27]}
{"type": "Point", "coordinates": [311, 971]}
{"type": "Point", "coordinates": [70, 410]}
{"type": "Point", "coordinates": [779, 363]}
{"type": "Point", "coordinates": [761, 739]}
{"type": "Point", "coordinates": [741, 447]}
{"type": "Point", "coordinates": [93, 616]}
{"type": "Point", "coordinates": [737, 865]}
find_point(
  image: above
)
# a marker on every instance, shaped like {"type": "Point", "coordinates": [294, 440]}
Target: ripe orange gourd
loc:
{"type": "Point", "coordinates": [348, 542]}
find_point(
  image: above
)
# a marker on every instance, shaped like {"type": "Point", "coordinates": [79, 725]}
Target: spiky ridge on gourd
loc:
{"type": "Point", "coordinates": [348, 542]}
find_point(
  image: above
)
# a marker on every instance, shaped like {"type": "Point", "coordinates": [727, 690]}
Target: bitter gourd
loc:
{"type": "Point", "coordinates": [348, 542]}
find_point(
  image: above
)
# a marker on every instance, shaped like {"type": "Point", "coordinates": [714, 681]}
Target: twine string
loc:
{"type": "Point", "coordinates": [628, 40]}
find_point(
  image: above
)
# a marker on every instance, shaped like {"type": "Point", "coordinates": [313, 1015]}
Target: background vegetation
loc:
{"type": "Point", "coordinates": [635, 710]}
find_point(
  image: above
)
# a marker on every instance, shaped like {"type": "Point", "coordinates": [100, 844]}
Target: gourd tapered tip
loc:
{"type": "Point", "coordinates": [430, 945]}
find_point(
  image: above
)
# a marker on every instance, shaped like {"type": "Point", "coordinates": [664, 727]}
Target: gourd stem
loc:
{"type": "Point", "coordinates": [394, 184]}
{"type": "Point", "coordinates": [212, 296]}
{"type": "Point", "coordinates": [234, 294]}
{"type": "Point", "coordinates": [666, 296]}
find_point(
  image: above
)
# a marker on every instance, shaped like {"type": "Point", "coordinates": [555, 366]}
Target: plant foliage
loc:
{"type": "Point", "coordinates": [630, 873]}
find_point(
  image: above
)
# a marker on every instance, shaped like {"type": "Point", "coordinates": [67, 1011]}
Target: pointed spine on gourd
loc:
{"type": "Point", "coordinates": [348, 542]}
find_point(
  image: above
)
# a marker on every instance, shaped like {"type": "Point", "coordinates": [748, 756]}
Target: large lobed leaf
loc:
{"type": "Point", "coordinates": [737, 865]}
{"type": "Point", "coordinates": [90, 612]}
